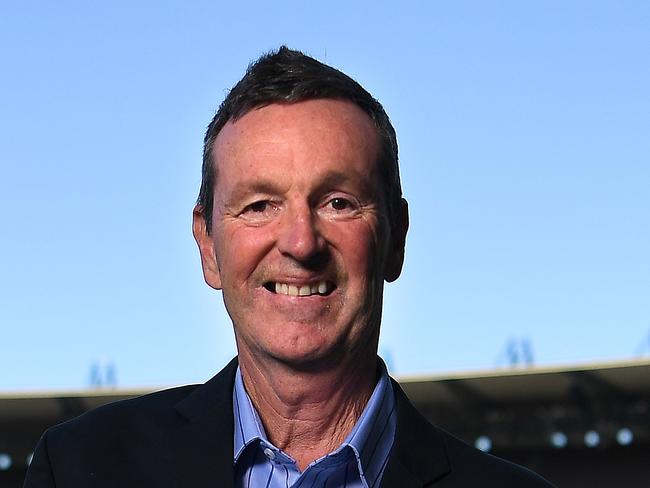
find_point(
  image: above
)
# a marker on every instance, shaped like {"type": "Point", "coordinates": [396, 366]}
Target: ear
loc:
{"type": "Point", "coordinates": [205, 242]}
{"type": "Point", "coordinates": [399, 228]}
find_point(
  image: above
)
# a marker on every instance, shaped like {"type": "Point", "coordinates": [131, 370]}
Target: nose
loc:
{"type": "Point", "coordinates": [300, 237]}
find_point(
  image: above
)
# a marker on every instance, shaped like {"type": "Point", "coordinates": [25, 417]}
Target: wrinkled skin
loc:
{"type": "Point", "coordinates": [298, 201]}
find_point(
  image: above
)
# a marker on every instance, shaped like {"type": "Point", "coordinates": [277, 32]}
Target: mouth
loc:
{"type": "Point", "coordinates": [322, 288]}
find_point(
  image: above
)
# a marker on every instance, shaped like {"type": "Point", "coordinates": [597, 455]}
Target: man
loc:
{"type": "Point", "coordinates": [300, 220]}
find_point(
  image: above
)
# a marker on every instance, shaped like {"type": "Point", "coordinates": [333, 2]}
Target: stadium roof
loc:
{"type": "Point", "coordinates": [627, 379]}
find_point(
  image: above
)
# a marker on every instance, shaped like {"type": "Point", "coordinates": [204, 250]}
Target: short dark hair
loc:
{"type": "Point", "coordinates": [289, 76]}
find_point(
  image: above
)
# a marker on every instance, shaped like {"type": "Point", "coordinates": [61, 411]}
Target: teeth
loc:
{"type": "Point", "coordinates": [303, 290]}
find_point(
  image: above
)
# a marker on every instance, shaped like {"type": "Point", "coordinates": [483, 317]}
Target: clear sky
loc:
{"type": "Point", "coordinates": [524, 132]}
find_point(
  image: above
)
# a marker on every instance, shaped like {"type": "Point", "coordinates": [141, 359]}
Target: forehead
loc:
{"type": "Point", "coordinates": [320, 133]}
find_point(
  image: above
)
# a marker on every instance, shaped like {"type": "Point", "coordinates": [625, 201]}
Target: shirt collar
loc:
{"type": "Point", "coordinates": [370, 440]}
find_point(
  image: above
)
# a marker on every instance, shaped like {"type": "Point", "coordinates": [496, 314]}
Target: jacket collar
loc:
{"type": "Point", "coordinates": [201, 444]}
{"type": "Point", "coordinates": [419, 457]}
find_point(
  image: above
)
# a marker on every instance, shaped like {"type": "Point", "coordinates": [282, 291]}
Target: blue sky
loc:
{"type": "Point", "coordinates": [525, 152]}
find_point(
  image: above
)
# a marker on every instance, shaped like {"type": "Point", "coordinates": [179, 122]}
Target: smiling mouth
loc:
{"type": "Point", "coordinates": [322, 288]}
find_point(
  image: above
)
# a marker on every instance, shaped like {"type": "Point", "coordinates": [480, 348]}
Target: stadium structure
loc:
{"type": "Point", "coordinates": [580, 426]}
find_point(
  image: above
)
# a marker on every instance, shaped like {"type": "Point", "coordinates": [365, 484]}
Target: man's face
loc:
{"type": "Point", "coordinates": [300, 239]}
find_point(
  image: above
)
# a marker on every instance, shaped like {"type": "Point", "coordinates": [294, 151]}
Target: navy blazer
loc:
{"type": "Point", "coordinates": [183, 437]}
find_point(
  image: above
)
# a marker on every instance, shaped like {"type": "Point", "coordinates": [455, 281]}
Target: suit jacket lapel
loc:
{"type": "Point", "coordinates": [201, 442]}
{"type": "Point", "coordinates": [419, 457]}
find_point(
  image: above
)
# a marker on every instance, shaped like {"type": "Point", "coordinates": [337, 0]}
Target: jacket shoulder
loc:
{"type": "Point", "coordinates": [100, 444]}
{"type": "Point", "coordinates": [478, 468]}
{"type": "Point", "coordinates": [139, 415]}
{"type": "Point", "coordinates": [426, 454]}
{"type": "Point", "coordinates": [152, 440]}
{"type": "Point", "coordinates": [148, 416]}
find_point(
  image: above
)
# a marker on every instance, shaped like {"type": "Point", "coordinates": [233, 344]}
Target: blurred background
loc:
{"type": "Point", "coordinates": [525, 156]}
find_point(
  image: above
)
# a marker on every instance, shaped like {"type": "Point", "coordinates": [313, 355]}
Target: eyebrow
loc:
{"type": "Point", "coordinates": [336, 178]}
{"type": "Point", "coordinates": [252, 186]}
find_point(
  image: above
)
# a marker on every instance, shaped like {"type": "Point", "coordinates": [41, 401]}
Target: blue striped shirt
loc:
{"type": "Point", "coordinates": [359, 462]}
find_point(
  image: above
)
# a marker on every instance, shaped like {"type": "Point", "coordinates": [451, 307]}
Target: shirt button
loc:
{"type": "Point", "coordinates": [269, 453]}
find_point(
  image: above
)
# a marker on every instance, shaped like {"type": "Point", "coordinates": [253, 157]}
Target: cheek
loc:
{"type": "Point", "coordinates": [240, 250]}
{"type": "Point", "coordinates": [359, 244]}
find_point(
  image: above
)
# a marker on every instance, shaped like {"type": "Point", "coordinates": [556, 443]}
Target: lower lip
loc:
{"type": "Point", "coordinates": [306, 309]}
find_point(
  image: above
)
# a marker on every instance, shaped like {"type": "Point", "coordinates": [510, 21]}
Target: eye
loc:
{"type": "Point", "coordinates": [258, 207]}
{"type": "Point", "coordinates": [340, 204]}
{"type": "Point", "coordinates": [259, 211]}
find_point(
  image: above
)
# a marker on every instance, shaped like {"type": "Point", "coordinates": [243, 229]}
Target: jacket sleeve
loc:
{"type": "Point", "coordinates": [39, 473]}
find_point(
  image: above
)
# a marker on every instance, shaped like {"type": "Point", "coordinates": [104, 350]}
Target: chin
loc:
{"type": "Point", "coordinates": [314, 359]}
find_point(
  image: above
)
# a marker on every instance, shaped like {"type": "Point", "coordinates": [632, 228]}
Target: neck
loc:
{"type": "Point", "coordinates": [308, 413]}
